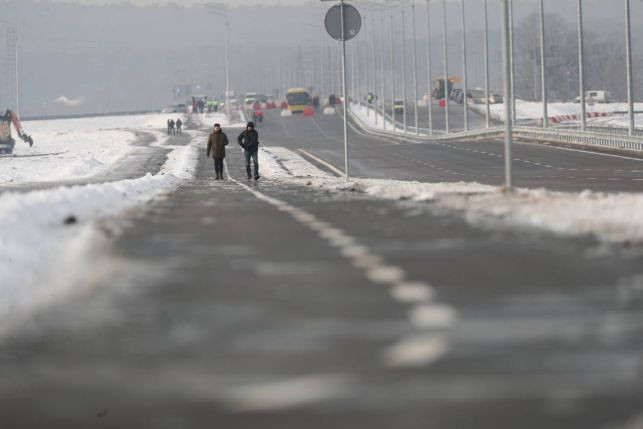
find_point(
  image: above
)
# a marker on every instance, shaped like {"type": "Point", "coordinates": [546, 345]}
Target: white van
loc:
{"type": "Point", "coordinates": [596, 97]}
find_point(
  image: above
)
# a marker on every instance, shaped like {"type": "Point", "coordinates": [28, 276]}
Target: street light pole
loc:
{"type": "Point", "coordinates": [506, 70]}
{"type": "Point", "coordinates": [365, 64]}
{"type": "Point", "coordinates": [486, 64]}
{"type": "Point", "coordinates": [581, 67]}
{"type": "Point", "coordinates": [428, 55]}
{"type": "Point", "coordinates": [373, 65]}
{"type": "Point", "coordinates": [630, 82]}
{"type": "Point", "coordinates": [512, 53]}
{"type": "Point", "coordinates": [382, 95]}
{"type": "Point", "coordinates": [415, 70]}
{"type": "Point", "coordinates": [227, 66]}
{"type": "Point", "coordinates": [543, 65]}
{"type": "Point", "coordinates": [393, 72]}
{"type": "Point", "coordinates": [403, 29]}
{"type": "Point", "coordinates": [464, 68]}
{"type": "Point", "coordinates": [446, 67]}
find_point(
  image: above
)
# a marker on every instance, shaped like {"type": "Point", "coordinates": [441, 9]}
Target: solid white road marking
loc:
{"type": "Point", "coordinates": [321, 161]}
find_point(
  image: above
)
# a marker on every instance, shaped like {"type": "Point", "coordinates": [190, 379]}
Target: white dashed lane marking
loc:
{"type": "Point", "coordinates": [431, 319]}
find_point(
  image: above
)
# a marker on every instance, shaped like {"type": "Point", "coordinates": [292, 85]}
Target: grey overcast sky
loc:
{"type": "Point", "coordinates": [111, 55]}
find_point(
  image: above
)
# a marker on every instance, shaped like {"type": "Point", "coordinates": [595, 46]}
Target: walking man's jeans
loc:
{"type": "Point", "coordinates": [218, 167]}
{"type": "Point", "coordinates": [255, 158]}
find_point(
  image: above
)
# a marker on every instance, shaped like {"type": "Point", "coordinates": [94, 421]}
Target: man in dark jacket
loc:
{"type": "Point", "coordinates": [249, 141]}
{"type": "Point", "coordinates": [216, 146]}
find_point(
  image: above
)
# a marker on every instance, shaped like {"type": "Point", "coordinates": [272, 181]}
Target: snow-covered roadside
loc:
{"type": "Point", "coordinates": [615, 218]}
{"type": "Point", "coordinates": [40, 256]}
{"type": "Point", "coordinates": [64, 156]}
{"type": "Point", "coordinates": [207, 120]}
{"type": "Point", "coordinates": [368, 118]}
{"type": "Point", "coordinates": [68, 149]}
{"type": "Point", "coordinates": [533, 110]}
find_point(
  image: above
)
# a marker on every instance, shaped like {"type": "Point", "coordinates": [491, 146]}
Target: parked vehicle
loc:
{"type": "Point", "coordinates": [596, 97]}
{"type": "Point", "coordinates": [399, 106]}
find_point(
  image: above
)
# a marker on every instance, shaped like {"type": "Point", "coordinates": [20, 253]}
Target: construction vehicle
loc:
{"type": "Point", "coordinates": [6, 142]}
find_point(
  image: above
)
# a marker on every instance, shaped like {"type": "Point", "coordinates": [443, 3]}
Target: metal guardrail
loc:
{"type": "Point", "coordinates": [608, 137]}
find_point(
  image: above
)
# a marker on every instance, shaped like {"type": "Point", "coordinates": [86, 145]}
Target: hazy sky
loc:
{"type": "Point", "coordinates": [97, 55]}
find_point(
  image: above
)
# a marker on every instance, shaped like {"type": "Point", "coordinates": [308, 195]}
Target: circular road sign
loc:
{"type": "Point", "coordinates": [352, 22]}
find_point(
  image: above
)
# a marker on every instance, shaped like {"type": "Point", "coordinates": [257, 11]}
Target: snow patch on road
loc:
{"type": "Point", "coordinates": [616, 218]}
{"type": "Point", "coordinates": [45, 235]}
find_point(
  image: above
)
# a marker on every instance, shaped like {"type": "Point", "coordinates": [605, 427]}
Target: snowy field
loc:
{"type": "Point", "coordinates": [614, 218]}
{"type": "Point", "coordinates": [67, 149]}
{"type": "Point", "coordinates": [48, 237]}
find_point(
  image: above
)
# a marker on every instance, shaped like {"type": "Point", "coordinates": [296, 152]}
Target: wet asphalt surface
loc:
{"type": "Point", "coordinates": [215, 307]}
{"type": "Point", "coordinates": [534, 165]}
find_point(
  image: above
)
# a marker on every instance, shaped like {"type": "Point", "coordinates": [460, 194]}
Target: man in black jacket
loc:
{"type": "Point", "coordinates": [249, 141]}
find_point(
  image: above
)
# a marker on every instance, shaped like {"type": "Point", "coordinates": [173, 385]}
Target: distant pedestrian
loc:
{"type": "Point", "coordinates": [179, 124]}
{"type": "Point", "coordinates": [249, 141]}
{"type": "Point", "coordinates": [169, 127]}
{"type": "Point", "coordinates": [316, 102]}
{"type": "Point", "coordinates": [216, 146]}
{"type": "Point", "coordinates": [172, 123]}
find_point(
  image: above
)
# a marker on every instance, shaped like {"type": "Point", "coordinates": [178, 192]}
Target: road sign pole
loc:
{"type": "Point", "coordinates": [345, 107]}
{"type": "Point", "coordinates": [486, 64]}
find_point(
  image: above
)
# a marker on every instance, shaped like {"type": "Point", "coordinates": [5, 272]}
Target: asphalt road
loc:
{"type": "Point", "coordinates": [262, 305]}
{"type": "Point", "coordinates": [535, 165]}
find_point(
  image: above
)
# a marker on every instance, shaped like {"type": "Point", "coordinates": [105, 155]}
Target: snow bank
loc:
{"type": "Point", "coordinates": [151, 121]}
{"type": "Point", "coordinates": [40, 256]}
{"type": "Point", "coordinates": [368, 117]}
{"type": "Point", "coordinates": [532, 110]}
{"type": "Point", "coordinates": [68, 149]}
{"type": "Point", "coordinates": [616, 218]}
{"type": "Point", "coordinates": [64, 155]}
{"type": "Point", "coordinates": [207, 120]}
